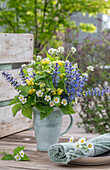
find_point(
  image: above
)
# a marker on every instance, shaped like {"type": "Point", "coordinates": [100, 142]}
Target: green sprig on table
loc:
{"type": "Point", "coordinates": [18, 155]}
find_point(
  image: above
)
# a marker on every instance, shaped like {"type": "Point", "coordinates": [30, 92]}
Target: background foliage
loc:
{"type": "Point", "coordinates": [46, 17]}
{"type": "Point", "coordinates": [95, 111]}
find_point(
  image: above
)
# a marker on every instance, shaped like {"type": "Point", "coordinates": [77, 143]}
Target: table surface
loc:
{"type": "Point", "coordinates": [38, 160]}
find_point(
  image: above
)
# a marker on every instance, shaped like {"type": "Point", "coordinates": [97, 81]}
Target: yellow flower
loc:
{"type": "Point", "coordinates": [47, 61]}
{"type": "Point", "coordinates": [60, 62]}
{"type": "Point", "coordinates": [32, 83]}
{"type": "Point", "coordinates": [38, 72]}
{"type": "Point", "coordinates": [31, 79]}
{"type": "Point", "coordinates": [43, 62]}
{"type": "Point", "coordinates": [59, 91]}
{"type": "Point", "coordinates": [62, 75]}
{"type": "Point", "coordinates": [54, 92]}
{"type": "Point", "coordinates": [26, 80]}
{"type": "Point", "coordinates": [31, 91]}
{"type": "Point", "coordinates": [28, 83]}
{"type": "Point", "coordinates": [48, 89]}
{"type": "Point", "coordinates": [43, 89]}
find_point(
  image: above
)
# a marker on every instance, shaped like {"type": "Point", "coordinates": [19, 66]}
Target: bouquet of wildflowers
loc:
{"type": "Point", "coordinates": [50, 82]}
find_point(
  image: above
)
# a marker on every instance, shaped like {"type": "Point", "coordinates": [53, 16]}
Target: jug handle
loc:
{"type": "Point", "coordinates": [69, 127]}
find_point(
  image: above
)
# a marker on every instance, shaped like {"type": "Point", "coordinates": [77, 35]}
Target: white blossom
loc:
{"type": "Point", "coordinates": [73, 50]}
{"type": "Point", "coordinates": [39, 93]}
{"type": "Point", "coordinates": [85, 75]}
{"type": "Point", "coordinates": [71, 140]}
{"type": "Point", "coordinates": [38, 58]}
{"type": "Point", "coordinates": [21, 153]}
{"type": "Point", "coordinates": [52, 103]}
{"type": "Point", "coordinates": [24, 100]}
{"type": "Point", "coordinates": [17, 157]}
{"type": "Point", "coordinates": [64, 102]}
{"type": "Point", "coordinates": [47, 98]}
{"type": "Point", "coordinates": [60, 49]}
{"type": "Point", "coordinates": [56, 100]}
{"type": "Point", "coordinates": [91, 68]}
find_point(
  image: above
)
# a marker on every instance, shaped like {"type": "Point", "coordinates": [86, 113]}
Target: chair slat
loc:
{"type": "Point", "coordinates": [16, 48]}
{"type": "Point", "coordinates": [10, 124]}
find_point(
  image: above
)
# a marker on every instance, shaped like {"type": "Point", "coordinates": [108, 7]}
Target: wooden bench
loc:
{"type": "Point", "coordinates": [14, 48]}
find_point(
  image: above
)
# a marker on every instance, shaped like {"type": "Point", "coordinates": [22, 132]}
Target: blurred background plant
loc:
{"type": "Point", "coordinates": [45, 18]}
{"type": "Point", "coordinates": [95, 112]}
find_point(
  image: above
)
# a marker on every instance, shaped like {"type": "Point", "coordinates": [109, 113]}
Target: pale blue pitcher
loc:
{"type": "Point", "coordinates": [47, 131]}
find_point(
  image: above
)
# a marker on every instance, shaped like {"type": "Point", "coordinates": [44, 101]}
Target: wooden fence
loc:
{"type": "Point", "coordinates": [14, 48]}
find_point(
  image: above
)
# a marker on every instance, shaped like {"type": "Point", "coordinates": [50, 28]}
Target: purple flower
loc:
{"type": "Point", "coordinates": [11, 79]}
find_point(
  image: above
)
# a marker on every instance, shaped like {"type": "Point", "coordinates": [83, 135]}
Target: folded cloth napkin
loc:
{"type": "Point", "coordinates": [65, 152]}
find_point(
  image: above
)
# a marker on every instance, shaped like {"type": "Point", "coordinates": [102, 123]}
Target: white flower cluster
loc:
{"type": "Point", "coordinates": [22, 99]}
{"type": "Point", "coordinates": [81, 143]}
{"type": "Point", "coordinates": [48, 99]}
{"type": "Point", "coordinates": [85, 75]}
{"type": "Point", "coordinates": [53, 51]}
{"type": "Point", "coordinates": [19, 156]}
{"type": "Point", "coordinates": [73, 50]}
{"type": "Point", "coordinates": [90, 68]}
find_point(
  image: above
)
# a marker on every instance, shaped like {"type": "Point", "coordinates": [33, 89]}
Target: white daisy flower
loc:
{"type": "Point", "coordinates": [91, 68]}
{"type": "Point", "coordinates": [82, 140]}
{"type": "Point", "coordinates": [39, 93]}
{"type": "Point", "coordinates": [17, 157]}
{"type": "Point", "coordinates": [21, 97]}
{"type": "Point", "coordinates": [21, 153]}
{"type": "Point", "coordinates": [64, 102]}
{"type": "Point", "coordinates": [90, 146]}
{"type": "Point", "coordinates": [56, 100]}
{"type": "Point", "coordinates": [51, 103]}
{"type": "Point", "coordinates": [47, 98]}
{"type": "Point", "coordinates": [60, 49]}
{"type": "Point", "coordinates": [77, 145]}
{"type": "Point", "coordinates": [73, 50]}
{"type": "Point", "coordinates": [71, 140]}
{"type": "Point", "coordinates": [38, 58]}
{"type": "Point", "coordinates": [24, 100]}
{"type": "Point", "coordinates": [85, 75]}
{"type": "Point", "coordinates": [33, 62]}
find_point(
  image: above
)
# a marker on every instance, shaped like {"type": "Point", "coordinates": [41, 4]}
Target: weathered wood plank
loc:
{"type": "Point", "coordinates": [16, 48]}
{"type": "Point", "coordinates": [10, 124]}
{"type": "Point", "coordinates": [7, 91]}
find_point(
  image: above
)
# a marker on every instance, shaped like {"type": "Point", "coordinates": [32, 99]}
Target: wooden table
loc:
{"type": "Point", "coordinates": [38, 160]}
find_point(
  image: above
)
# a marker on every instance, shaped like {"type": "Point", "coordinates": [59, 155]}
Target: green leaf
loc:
{"type": "Point", "coordinates": [50, 57]}
{"type": "Point", "coordinates": [7, 157]}
{"type": "Point", "coordinates": [38, 77]}
{"type": "Point", "coordinates": [18, 149]}
{"type": "Point", "coordinates": [27, 112]}
{"type": "Point", "coordinates": [25, 158]}
{"type": "Point", "coordinates": [50, 83]}
{"type": "Point", "coordinates": [24, 89]}
{"type": "Point", "coordinates": [16, 108]}
{"type": "Point", "coordinates": [15, 100]}
{"type": "Point", "coordinates": [48, 110]}
{"type": "Point", "coordinates": [40, 107]}
{"type": "Point", "coordinates": [67, 110]}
